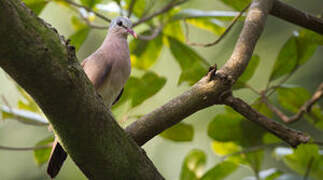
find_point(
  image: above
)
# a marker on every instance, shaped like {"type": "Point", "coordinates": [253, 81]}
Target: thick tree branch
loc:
{"type": "Point", "coordinates": [295, 16]}
{"type": "Point", "coordinates": [34, 55]}
{"type": "Point", "coordinates": [306, 108]}
{"type": "Point", "coordinates": [211, 89]}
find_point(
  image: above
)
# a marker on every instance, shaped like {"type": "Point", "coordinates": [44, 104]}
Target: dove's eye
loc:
{"type": "Point", "coordinates": [119, 23]}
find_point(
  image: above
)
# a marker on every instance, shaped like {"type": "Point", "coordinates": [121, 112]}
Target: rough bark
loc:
{"type": "Point", "coordinates": [34, 55]}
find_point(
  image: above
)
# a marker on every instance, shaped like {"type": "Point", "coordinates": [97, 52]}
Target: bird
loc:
{"type": "Point", "coordinates": [108, 68]}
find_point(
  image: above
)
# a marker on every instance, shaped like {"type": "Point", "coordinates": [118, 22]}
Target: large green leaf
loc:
{"type": "Point", "coordinates": [231, 126]}
{"type": "Point", "coordinates": [262, 108]}
{"type": "Point", "coordinates": [36, 5]}
{"type": "Point", "coordinates": [79, 37]}
{"type": "Point", "coordinates": [189, 61]}
{"type": "Point", "coordinates": [139, 89]}
{"type": "Point", "coordinates": [174, 30]}
{"type": "Point", "coordinates": [145, 53]}
{"type": "Point", "coordinates": [28, 103]}
{"type": "Point", "coordinates": [237, 4]}
{"type": "Point", "coordinates": [225, 148]}
{"type": "Point", "coordinates": [220, 171]}
{"type": "Point", "coordinates": [226, 127]}
{"type": "Point", "coordinates": [180, 132]}
{"type": "Point", "coordinates": [287, 59]}
{"type": "Point", "coordinates": [302, 156]}
{"type": "Point", "coordinates": [298, 49]}
{"type": "Point", "coordinates": [90, 3]}
{"type": "Point", "coordinates": [292, 98]}
{"type": "Point", "coordinates": [193, 165]}
{"type": "Point", "coordinates": [207, 24]}
{"type": "Point", "coordinates": [41, 156]}
{"type": "Point", "coordinates": [248, 73]}
{"type": "Point", "coordinates": [139, 8]}
{"type": "Point", "coordinates": [80, 34]}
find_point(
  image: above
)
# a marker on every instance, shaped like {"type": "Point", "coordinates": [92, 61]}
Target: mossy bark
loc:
{"type": "Point", "coordinates": [41, 61]}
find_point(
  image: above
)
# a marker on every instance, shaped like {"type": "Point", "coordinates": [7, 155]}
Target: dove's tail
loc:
{"type": "Point", "coordinates": [56, 159]}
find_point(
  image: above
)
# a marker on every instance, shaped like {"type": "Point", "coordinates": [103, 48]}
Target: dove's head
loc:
{"type": "Point", "coordinates": [121, 26]}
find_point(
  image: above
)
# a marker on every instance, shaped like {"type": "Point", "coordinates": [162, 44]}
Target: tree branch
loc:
{"type": "Point", "coordinates": [293, 15]}
{"type": "Point", "coordinates": [290, 136]}
{"type": "Point", "coordinates": [211, 89]}
{"type": "Point", "coordinates": [131, 6]}
{"type": "Point", "coordinates": [306, 108]}
{"type": "Point", "coordinates": [47, 68]}
{"type": "Point", "coordinates": [163, 10]}
{"type": "Point", "coordinates": [88, 10]}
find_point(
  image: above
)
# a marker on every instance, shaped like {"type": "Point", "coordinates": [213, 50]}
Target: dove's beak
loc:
{"type": "Point", "coordinates": [130, 31]}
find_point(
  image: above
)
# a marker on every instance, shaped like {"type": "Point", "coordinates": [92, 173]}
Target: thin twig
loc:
{"type": "Point", "coordinates": [305, 108]}
{"type": "Point", "coordinates": [253, 89]}
{"type": "Point", "coordinates": [131, 6]}
{"type": "Point", "coordinates": [308, 169]}
{"type": "Point", "coordinates": [25, 148]}
{"type": "Point", "coordinates": [163, 10]}
{"type": "Point", "coordinates": [154, 34]}
{"type": "Point", "coordinates": [88, 10]}
{"type": "Point", "coordinates": [233, 22]}
{"type": "Point", "coordinates": [91, 25]}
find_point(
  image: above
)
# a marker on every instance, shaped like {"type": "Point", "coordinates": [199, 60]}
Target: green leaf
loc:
{"type": "Point", "coordinates": [220, 171]}
{"type": "Point", "coordinates": [36, 5]}
{"type": "Point", "coordinates": [193, 165]}
{"type": "Point", "coordinates": [140, 89]}
{"type": "Point", "coordinates": [30, 104]}
{"type": "Point", "coordinates": [307, 42]}
{"type": "Point", "coordinates": [315, 116]}
{"type": "Point", "coordinates": [139, 8]}
{"type": "Point", "coordinates": [225, 148]}
{"type": "Point", "coordinates": [292, 98]}
{"type": "Point", "coordinates": [189, 61]}
{"type": "Point", "coordinates": [248, 73]}
{"type": "Point", "coordinates": [208, 24]}
{"type": "Point", "coordinates": [225, 128]}
{"type": "Point", "coordinates": [174, 30]}
{"type": "Point", "coordinates": [299, 48]}
{"type": "Point", "coordinates": [302, 156]}
{"type": "Point", "coordinates": [287, 59]}
{"type": "Point", "coordinates": [262, 108]}
{"type": "Point", "coordinates": [270, 139]}
{"type": "Point", "coordinates": [145, 53]}
{"type": "Point", "coordinates": [90, 3]}
{"type": "Point", "coordinates": [81, 32]}
{"type": "Point", "coordinates": [180, 132]}
{"type": "Point", "coordinates": [237, 4]}
{"type": "Point", "coordinates": [79, 37]}
{"type": "Point", "coordinates": [41, 156]}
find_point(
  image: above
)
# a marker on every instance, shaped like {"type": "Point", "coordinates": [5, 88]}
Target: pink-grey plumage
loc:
{"type": "Point", "coordinates": [108, 68]}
